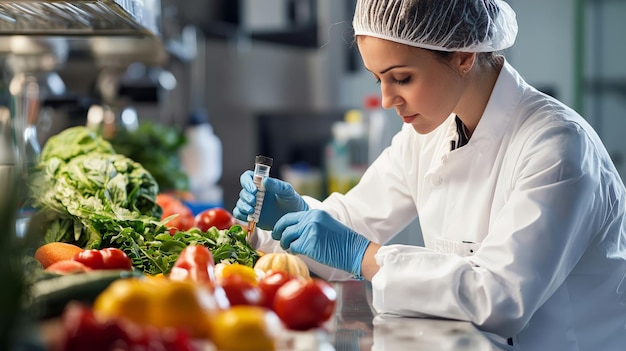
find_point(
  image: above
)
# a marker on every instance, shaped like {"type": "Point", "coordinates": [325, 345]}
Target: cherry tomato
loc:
{"type": "Point", "coordinates": [109, 258]}
{"type": "Point", "coordinates": [214, 217]}
{"type": "Point", "coordinates": [305, 304]}
{"type": "Point", "coordinates": [171, 206]}
{"type": "Point", "coordinates": [270, 283]}
{"type": "Point", "coordinates": [241, 292]}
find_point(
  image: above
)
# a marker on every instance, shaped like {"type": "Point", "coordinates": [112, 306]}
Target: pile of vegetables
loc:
{"type": "Point", "coordinates": [232, 306]}
{"type": "Point", "coordinates": [88, 195]}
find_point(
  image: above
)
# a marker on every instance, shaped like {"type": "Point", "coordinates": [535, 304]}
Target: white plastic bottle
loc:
{"type": "Point", "coordinates": [202, 160]}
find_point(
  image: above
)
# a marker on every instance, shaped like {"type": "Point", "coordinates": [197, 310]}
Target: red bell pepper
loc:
{"type": "Point", "coordinates": [109, 258]}
{"type": "Point", "coordinates": [194, 263]}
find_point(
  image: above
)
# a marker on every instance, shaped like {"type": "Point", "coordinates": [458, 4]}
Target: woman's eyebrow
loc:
{"type": "Point", "coordinates": [390, 68]}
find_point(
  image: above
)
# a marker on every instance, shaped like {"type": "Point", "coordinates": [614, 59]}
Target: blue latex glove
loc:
{"type": "Point", "coordinates": [319, 236]}
{"type": "Point", "coordinates": [280, 198]}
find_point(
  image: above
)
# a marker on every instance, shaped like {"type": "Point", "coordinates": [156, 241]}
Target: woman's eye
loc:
{"type": "Point", "coordinates": [402, 81]}
{"type": "Point", "coordinates": [396, 81]}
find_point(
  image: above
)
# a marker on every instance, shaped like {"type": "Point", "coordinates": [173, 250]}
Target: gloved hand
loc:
{"type": "Point", "coordinates": [319, 236]}
{"type": "Point", "coordinates": [280, 198]}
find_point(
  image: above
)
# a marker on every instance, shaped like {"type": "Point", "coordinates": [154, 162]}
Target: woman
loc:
{"type": "Point", "coordinates": [521, 209]}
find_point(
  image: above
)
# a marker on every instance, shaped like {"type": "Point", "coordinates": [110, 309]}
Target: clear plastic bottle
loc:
{"type": "Point", "coordinates": [357, 138]}
{"type": "Point", "coordinates": [202, 160]}
{"type": "Point", "coordinates": [346, 154]}
{"type": "Point", "coordinates": [337, 159]}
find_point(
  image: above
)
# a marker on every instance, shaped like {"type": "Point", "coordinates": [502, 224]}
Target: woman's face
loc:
{"type": "Point", "coordinates": [423, 89]}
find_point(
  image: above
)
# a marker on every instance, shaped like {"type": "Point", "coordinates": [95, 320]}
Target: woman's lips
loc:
{"type": "Point", "coordinates": [409, 119]}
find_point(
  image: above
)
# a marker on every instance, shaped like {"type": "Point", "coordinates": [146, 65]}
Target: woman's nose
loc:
{"type": "Point", "coordinates": [389, 98]}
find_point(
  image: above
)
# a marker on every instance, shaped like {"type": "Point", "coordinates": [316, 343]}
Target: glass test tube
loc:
{"type": "Point", "coordinates": [262, 166]}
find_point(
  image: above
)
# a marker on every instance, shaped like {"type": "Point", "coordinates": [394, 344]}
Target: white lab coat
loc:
{"type": "Point", "coordinates": [524, 227]}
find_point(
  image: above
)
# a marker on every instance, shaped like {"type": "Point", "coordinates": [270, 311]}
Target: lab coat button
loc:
{"type": "Point", "coordinates": [436, 180]}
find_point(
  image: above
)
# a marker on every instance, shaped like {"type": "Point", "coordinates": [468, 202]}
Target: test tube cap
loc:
{"type": "Point", "coordinates": [264, 160]}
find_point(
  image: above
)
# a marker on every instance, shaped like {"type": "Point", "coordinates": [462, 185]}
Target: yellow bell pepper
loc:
{"type": "Point", "coordinates": [160, 303]}
{"type": "Point", "coordinates": [127, 298]}
{"type": "Point", "coordinates": [246, 328]}
{"type": "Point", "coordinates": [248, 274]}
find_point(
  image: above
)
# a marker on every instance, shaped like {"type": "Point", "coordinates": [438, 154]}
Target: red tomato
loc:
{"type": "Point", "coordinates": [305, 304]}
{"type": "Point", "coordinates": [241, 292]}
{"type": "Point", "coordinates": [214, 217]}
{"type": "Point", "coordinates": [82, 330]}
{"type": "Point", "coordinates": [171, 206]}
{"type": "Point", "coordinates": [109, 258]}
{"type": "Point", "coordinates": [270, 283]}
{"type": "Point", "coordinates": [195, 263]}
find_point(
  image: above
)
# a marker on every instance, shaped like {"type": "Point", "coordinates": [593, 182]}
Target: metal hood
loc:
{"type": "Point", "coordinates": [120, 30]}
{"type": "Point", "coordinates": [79, 17]}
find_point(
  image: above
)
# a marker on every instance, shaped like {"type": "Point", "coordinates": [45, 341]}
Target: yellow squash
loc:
{"type": "Point", "coordinates": [283, 261]}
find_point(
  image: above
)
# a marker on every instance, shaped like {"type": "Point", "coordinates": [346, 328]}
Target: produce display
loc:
{"type": "Point", "coordinates": [125, 267]}
{"type": "Point", "coordinates": [89, 196]}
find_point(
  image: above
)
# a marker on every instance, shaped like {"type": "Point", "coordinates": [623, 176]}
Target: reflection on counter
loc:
{"type": "Point", "coordinates": [396, 333]}
{"type": "Point", "coordinates": [359, 328]}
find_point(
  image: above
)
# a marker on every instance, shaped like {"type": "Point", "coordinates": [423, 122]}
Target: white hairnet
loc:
{"type": "Point", "coordinates": [445, 25]}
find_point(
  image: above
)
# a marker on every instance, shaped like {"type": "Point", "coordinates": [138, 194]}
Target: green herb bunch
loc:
{"type": "Point", "coordinates": [155, 254]}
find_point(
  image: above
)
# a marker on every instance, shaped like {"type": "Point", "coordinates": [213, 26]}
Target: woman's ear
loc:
{"type": "Point", "coordinates": [465, 61]}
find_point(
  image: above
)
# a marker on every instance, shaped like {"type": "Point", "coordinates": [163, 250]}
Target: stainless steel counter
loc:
{"type": "Point", "coordinates": [356, 327]}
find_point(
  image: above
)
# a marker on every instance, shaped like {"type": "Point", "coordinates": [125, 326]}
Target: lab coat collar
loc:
{"type": "Point", "coordinates": [500, 110]}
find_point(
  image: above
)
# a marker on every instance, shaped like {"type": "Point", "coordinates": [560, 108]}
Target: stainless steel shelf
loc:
{"type": "Point", "coordinates": [80, 17]}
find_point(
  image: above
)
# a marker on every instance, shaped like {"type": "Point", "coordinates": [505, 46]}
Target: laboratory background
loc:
{"type": "Point", "coordinates": [195, 90]}
{"type": "Point", "coordinates": [281, 78]}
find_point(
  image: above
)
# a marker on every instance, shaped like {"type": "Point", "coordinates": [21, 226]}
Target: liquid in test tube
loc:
{"type": "Point", "coordinates": [262, 166]}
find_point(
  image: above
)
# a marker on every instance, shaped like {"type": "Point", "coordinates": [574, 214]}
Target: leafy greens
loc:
{"type": "Point", "coordinates": [88, 195]}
